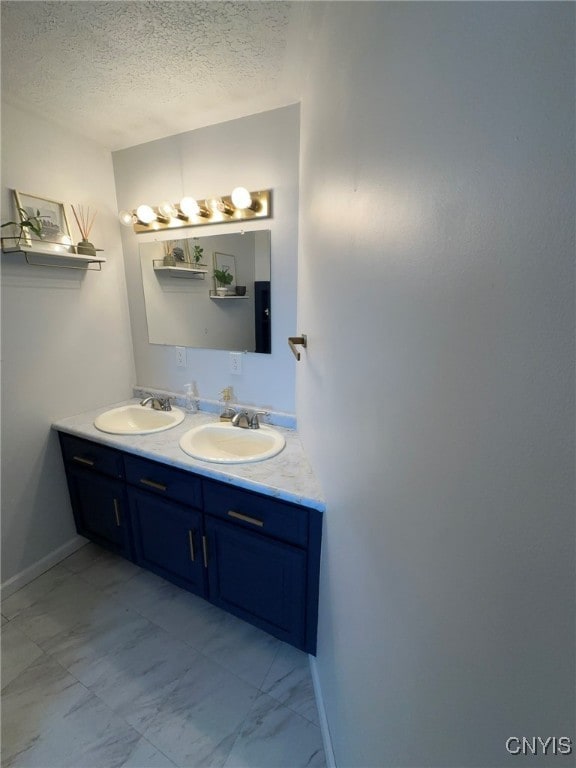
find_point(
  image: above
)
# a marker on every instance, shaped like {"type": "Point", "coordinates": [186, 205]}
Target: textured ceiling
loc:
{"type": "Point", "coordinates": [122, 73]}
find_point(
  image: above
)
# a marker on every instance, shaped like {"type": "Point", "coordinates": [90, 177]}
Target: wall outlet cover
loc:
{"type": "Point", "coordinates": [181, 357]}
{"type": "Point", "coordinates": [236, 362]}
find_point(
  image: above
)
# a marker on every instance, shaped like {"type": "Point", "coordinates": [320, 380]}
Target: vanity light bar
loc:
{"type": "Point", "coordinates": [214, 210]}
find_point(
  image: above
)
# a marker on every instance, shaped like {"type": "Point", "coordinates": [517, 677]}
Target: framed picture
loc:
{"type": "Point", "coordinates": [50, 213]}
{"type": "Point", "coordinates": [227, 262]}
{"type": "Point", "coordinates": [176, 252]}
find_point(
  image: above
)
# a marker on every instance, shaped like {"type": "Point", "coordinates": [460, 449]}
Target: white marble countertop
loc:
{"type": "Point", "coordinates": [287, 476]}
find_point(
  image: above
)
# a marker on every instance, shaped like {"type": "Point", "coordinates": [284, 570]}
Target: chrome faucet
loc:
{"type": "Point", "coordinates": [250, 419]}
{"type": "Point", "coordinates": [158, 403]}
{"type": "Point", "coordinates": [239, 417]}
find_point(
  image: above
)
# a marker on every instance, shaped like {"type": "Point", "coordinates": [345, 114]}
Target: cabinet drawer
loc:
{"type": "Point", "coordinates": [258, 513]}
{"type": "Point", "coordinates": [164, 481]}
{"type": "Point", "coordinates": [91, 456]}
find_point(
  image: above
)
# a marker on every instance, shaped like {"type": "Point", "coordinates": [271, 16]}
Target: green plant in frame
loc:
{"type": "Point", "coordinates": [26, 222]}
{"type": "Point", "coordinates": [197, 253]}
{"type": "Point", "coordinates": [223, 276]}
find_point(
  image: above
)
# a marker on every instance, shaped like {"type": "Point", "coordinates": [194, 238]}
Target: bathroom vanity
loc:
{"type": "Point", "coordinates": [237, 536]}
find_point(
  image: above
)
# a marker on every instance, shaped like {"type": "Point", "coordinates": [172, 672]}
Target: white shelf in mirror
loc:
{"type": "Point", "coordinates": [214, 295]}
{"type": "Point", "coordinates": [191, 271]}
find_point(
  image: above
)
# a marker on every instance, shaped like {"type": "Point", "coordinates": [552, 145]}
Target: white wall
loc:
{"type": "Point", "coordinates": [66, 342]}
{"type": "Point", "coordinates": [436, 398]}
{"type": "Point", "coordinates": [258, 152]}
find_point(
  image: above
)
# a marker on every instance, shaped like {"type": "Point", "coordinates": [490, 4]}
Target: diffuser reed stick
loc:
{"type": "Point", "coordinates": [85, 223]}
{"type": "Point", "coordinates": [84, 220]}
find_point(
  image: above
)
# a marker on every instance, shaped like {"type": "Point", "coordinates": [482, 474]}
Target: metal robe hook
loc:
{"type": "Point", "coordinates": [301, 341]}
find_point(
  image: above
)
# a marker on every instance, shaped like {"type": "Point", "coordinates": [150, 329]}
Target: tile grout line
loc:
{"type": "Point", "coordinates": [249, 713]}
{"type": "Point", "coordinates": [121, 602]}
{"type": "Point", "coordinates": [49, 655]}
{"type": "Point", "coordinates": [269, 668]}
{"type": "Point", "coordinates": [118, 717]}
{"type": "Point", "coordinates": [40, 597]}
{"type": "Point", "coordinates": [196, 649]}
{"type": "Point", "coordinates": [312, 722]}
{"type": "Point", "coordinates": [101, 592]}
{"type": "Point", "coordinates": [160, 751]}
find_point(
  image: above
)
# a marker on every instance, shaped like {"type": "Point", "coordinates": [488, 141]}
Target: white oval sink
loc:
{"type": "Point", "coordinates": [226, 444]}
{"type": "Point", "coordinates": [137, 420]}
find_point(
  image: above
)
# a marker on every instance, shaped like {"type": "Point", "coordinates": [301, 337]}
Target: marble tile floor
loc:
{"type": "Point", "coordinates": [106, 665]}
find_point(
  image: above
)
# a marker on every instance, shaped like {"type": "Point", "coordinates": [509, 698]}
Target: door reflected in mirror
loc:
{"type": "Point", "coordinates": [186, 306]}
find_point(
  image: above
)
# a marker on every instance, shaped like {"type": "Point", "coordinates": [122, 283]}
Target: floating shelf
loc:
{"type": "Point", "coordinates": [194, 272]}
{"type": "Point", "coordinates": [50, 255]}
{"type": "Point", "coordinates": [214, 295]}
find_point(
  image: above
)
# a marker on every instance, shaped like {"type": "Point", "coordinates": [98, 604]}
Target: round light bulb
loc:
{"type": "Point", "coordinates": [241, 198]}
{"type": "Point", "coordinates": [126, 218]}
{"type": "Point", "coordinates": [167, 210]}
{"type": "Point", "coordinates": [145, 214]}
{"type": "Point", "coordinates": [218, 205]}
{"type": "Point", "coordinates": [215, 204]}
{"type": "Point", "coordinates": [189, 207]}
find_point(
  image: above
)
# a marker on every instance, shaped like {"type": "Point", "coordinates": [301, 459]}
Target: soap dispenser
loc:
{"type": "Point", "coordinates": [226, 410]}
{"type": "Point", "coordinates": [190, 401]}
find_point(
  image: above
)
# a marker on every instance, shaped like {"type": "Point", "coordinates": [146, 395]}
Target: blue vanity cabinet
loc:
{"type": "Point", "coordinates": [255, 556]}
{"type": "Point", "coordinates": [97, 493]}
{"type": "Point", "coordinates": [165, 509]}
{"type": "Point", "coordinates": [263, 561]}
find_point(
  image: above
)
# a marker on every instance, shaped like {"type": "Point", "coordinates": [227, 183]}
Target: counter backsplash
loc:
{"type": "Point", "coordinates": [276, 418]}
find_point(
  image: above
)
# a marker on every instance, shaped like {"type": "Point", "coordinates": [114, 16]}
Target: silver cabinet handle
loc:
{"type": "Point", "coordinates": [82, 460]}
{"type": "Point", "coordinates": [152, 484]}
{"type": "Point", "coordinates": [245, 518]}
{"type": "Point", "coordinates": [191, 544]}
{"type": "Point", "coordinates": [117, 512]}
{"type": "Point", "coordinates": [205, 551]}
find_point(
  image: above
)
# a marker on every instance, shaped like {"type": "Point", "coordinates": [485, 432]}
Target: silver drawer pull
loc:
{"type": "Point", "coordinates": [117, 512]}
{"type": "Point", "coordinates": [245, 518]}
{"type": "Point", "coordinates": [191, 544]}
{"type": "Point", "coordinates": [152, 484]}
{"type": "Point", "coordinates": [81, 460]}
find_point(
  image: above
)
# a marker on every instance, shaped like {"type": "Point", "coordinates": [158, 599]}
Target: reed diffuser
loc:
{"type": "Point", "coordinates": [85, 223]}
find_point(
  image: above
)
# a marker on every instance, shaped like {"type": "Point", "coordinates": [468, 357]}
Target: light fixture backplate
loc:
{"type": "Point", "coordinates": [262, 201]}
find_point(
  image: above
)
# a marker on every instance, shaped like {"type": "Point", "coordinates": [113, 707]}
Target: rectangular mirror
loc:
{"type": "Point", "coordinates": [184, 307]}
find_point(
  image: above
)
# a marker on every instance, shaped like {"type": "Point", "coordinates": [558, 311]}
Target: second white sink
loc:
{"type": "Point", "coordinates": [226, 444]}
{"type": "Point", "coordinates": [137, 420]}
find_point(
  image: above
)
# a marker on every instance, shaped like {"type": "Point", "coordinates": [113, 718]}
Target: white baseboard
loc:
{"type": "Point", "coordinates": [325, 730]}
{"type": "Point", "coordinates": [37, 569]}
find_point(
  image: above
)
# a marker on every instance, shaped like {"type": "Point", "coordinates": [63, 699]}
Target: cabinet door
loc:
{"type": "Point", "coordinates": [258, 579]}
{"type": "Point", "coordinates": [98, 503]}
{"type": "Point", "coordinates": [168, 540]}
